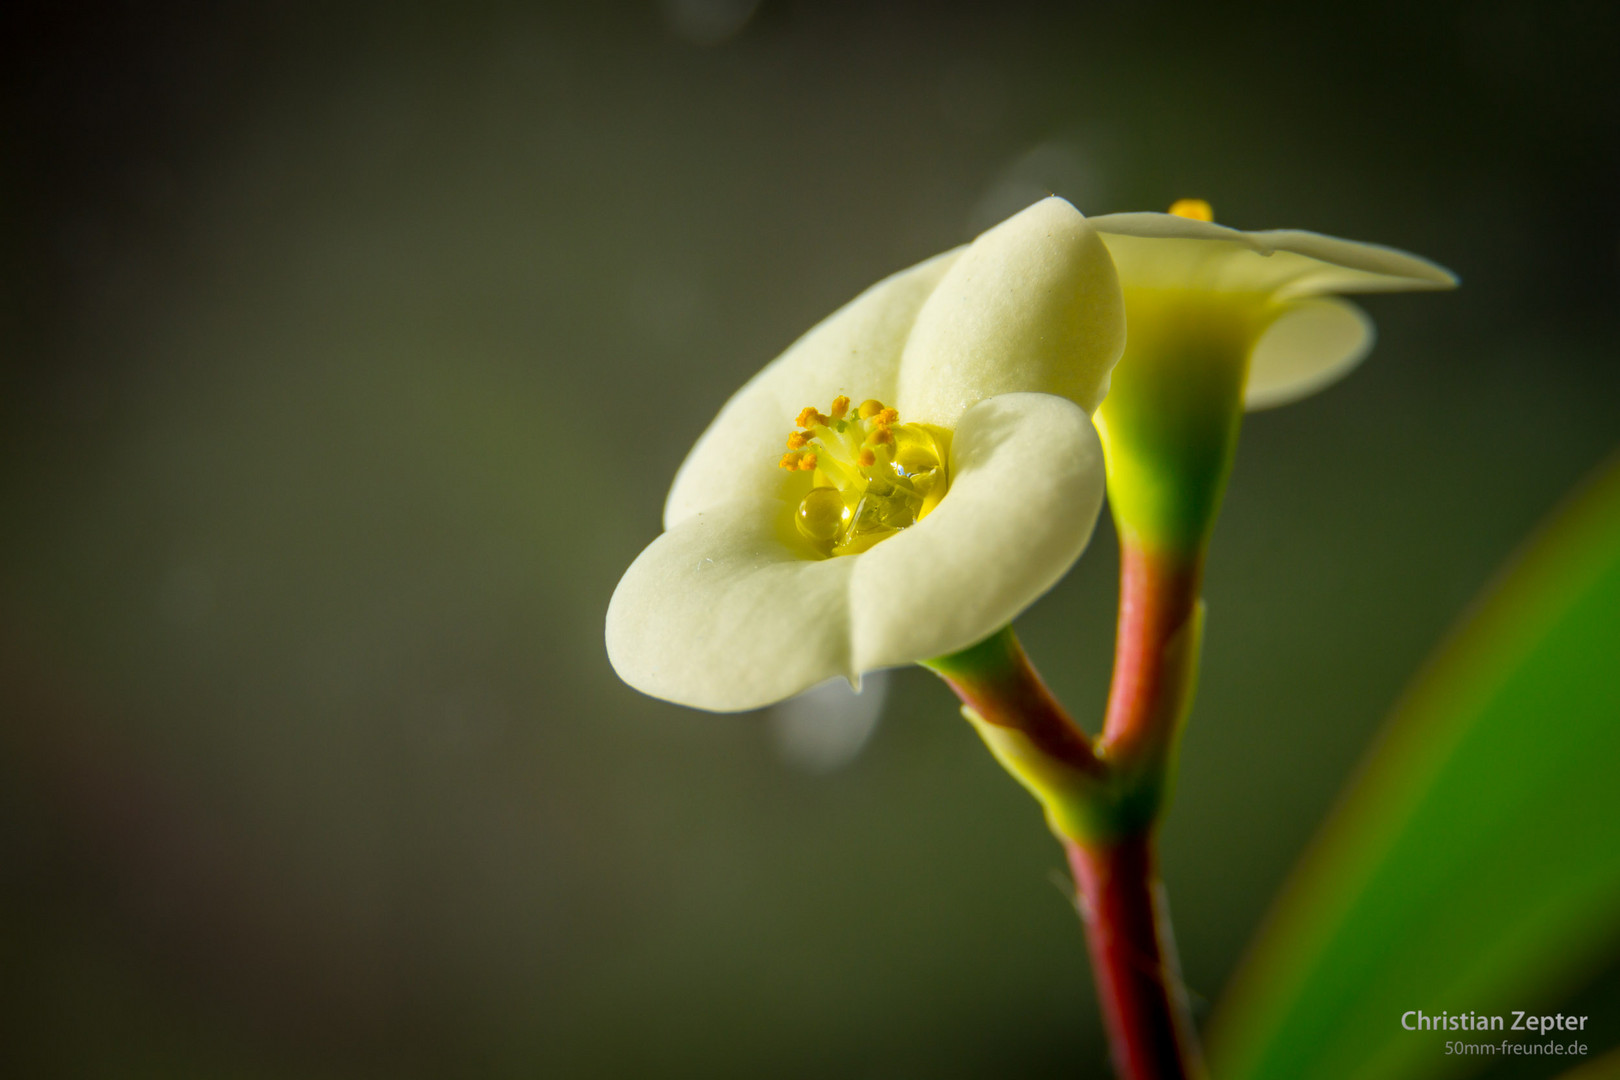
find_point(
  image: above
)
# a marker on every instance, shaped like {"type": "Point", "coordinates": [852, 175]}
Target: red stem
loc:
{"type": "Point", "coordinates": [996, 680]}
{"type": "Point", "coordinates": [1158, 595]}
{"type": "Point", "coordinates": [1133, 958]}
{"type": "Point", "coordinates": [1150, 1030]}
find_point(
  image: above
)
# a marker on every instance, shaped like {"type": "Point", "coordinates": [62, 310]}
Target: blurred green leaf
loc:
{"type": "Point", "coordinates": [1606, 1067]}
{"type": "Point", "coordinates": [1474, 864]}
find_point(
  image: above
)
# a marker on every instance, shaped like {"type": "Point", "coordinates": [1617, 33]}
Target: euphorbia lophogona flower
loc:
{"type": "Point", "coordinates": [1221, 321]}
{"type": "Point", "coordinates": [955, 475]}
{"type": "Point", "coordinates": [899, 484]}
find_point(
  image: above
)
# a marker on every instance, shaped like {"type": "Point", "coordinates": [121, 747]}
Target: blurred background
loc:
{"type": "Point", "coordinates": [346, 353]}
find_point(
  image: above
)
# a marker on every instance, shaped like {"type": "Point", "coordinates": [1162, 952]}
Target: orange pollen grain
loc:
{"type": "Point", "coordinates": [809, 417]}
{"type": "Point", "coordinates": [840, 406]}
{"type": "Point", "coordinates": [866, 459]}
{"type": "Point", "coordinates": [789, 461]}
{"type": "Point", "coordinates": [886, 416]}
{"type": "Point", "coordinates": [807, 463]}
{"type": "Point", "coordinates": [797, 440]}
{"type": "Point", "coordinates": [879, 437]}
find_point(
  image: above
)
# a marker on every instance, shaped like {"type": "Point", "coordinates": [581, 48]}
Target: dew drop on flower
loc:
{"type": "Point", "coordinates": [822, 514]}
{"type": "Point", "coordinates": [872, 475]}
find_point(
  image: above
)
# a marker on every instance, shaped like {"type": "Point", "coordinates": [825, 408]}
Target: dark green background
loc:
{"type": "Point", "coordinates": [345, 359]}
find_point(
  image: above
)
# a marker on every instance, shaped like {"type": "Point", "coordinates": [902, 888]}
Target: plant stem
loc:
{"type": "Point", "coordinates": [1133, 958]}
{"type": "Point", "coordinates": [1155, 656]}
{"type": "Point", "coordinates": [996, 680]}
{"type": "Point", "coordinates": [1133, 954]}
{"type": "Point", "coordinates": [1107, 799]}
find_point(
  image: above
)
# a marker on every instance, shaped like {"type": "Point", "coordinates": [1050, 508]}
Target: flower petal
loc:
{"type": "Point", "coordinates": [1311, 344]}
{"type": "Point", "coordinates": [1032, 305]}
{"type": "Point", "coordinates": [725, 611]}
{"type": "Point", "coordinates": [1026, 485]}
{"type": "Point", "coordinates": [1166, 251]}
{"type": "Point", "coordinates": [855, 351]}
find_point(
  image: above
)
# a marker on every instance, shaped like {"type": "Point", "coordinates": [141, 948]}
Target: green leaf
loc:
{"type": "Point", "coordinates": [1474, 863]}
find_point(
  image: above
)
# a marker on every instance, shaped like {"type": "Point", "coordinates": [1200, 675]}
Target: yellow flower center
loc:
{"type": "Point", "coordinates": [1196, 209]}
{"type": "Point", "coordinates": [870, 475]}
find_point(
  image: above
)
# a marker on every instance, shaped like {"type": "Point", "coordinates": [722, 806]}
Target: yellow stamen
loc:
{"type": "Point", "coordinates": [871, 475]}
{"type": "Point", "coordinates": [1196, 209]}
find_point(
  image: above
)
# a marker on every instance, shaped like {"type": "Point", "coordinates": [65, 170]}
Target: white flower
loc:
{"type": "Point", "coordinates": [929, 529]}
{"type": "Point", "coordinates": [1220, 321]}
{"type": "Point", "coordinates": [1273, 290]}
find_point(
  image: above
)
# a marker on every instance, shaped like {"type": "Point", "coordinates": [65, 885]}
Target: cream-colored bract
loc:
{"type": "Point", "coordinates": [1306, 338]}
{"type": "Point", "coordinates": [1007, 344]}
